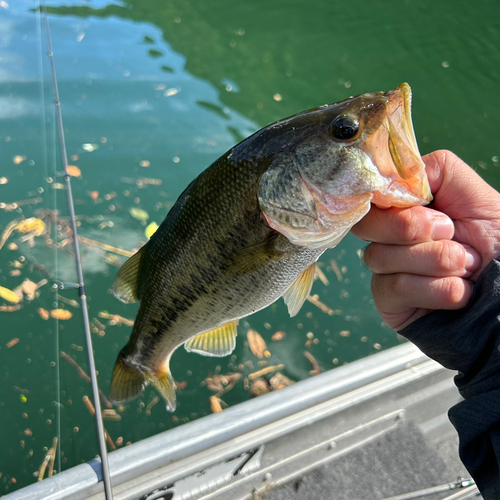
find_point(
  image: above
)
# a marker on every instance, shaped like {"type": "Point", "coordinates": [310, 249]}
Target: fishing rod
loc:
{"type": "Point", "coordinates": [80, 286]}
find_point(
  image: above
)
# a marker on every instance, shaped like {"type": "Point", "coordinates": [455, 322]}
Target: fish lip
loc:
{"type": "Point", "coordinates": [400, 99]}
{"type": "Point", "coordinates": [400, 125]}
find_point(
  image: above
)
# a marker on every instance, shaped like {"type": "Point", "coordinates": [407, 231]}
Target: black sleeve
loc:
{"type": "Point", "coordinates": [468, 340]}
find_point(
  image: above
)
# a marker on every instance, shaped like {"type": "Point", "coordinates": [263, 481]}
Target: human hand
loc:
{"type": "Point", "coordinates": [424, 259]}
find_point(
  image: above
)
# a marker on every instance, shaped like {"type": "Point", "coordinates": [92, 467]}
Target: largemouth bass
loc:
{"type": "Point", "coordinates": [250, 228]}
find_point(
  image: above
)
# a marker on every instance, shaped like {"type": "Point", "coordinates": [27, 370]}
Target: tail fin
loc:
{"type": "Point", "coordinates": [164, 383]}
{"type": "Point", "coordinates": [127, 382]}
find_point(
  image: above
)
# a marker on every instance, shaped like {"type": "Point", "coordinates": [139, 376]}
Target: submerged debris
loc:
{"type": "Point", "coordinates": [62, 314]}
{"type": "Point", "coordinates": [74, 171]}
{"type": "Point", "coordinates": [256, 343]}
{"type": "Point", "coordinates": [259, 387]}
{"type": "Point", "coordinates": [10, 308]}
{"type": "Point", "coordinates": [151, 404]}
{"type": "Point", "coordinates": [321, 275]}
{"type": "Point", "coordinates": [104, 246]}
{"type": "Point", "coordinates": [264, 371]}
{"type": "Point", "coordinates": [48, 461]}
{"type": "Point", "coordinates": [31, 227]}
{"type": "Point", "coordinates": [107, 403]}
{"type": "Point", "coordinates": [91, 409]}
{"type": "Point", "coordinates": [111, 414]}
{"type": "Point", "coordinates": [336, 270]}
{"type": "Point", "coordinates": [279, 381]}
{"type": "Point", "coordinates": [222, 383]}
{"type": "Point", "coordinates": [314, 299]}
{"type": "Point", "coordinates": [44, 314]}
{"type": "Point", "coordinates": [115, 319]}
{"type": "Point", "coordinates": [312, 359]}
{"type": "Point", "coordinates": [215, 404]}
{"type": "Point", "coordinates": [278, 336]}
{"type": "Point", "coordinates": [12, 343]}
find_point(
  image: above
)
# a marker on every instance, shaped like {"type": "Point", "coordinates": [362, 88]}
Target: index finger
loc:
{"type": "Point", "coordinates": [404, 226]}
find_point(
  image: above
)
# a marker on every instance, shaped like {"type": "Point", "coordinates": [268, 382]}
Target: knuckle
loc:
{"type": "Point", "coordinates": [398, 283]}
{"type": "Point", "coordinates": [454, 292]}
{"type": "Point", "coordinates": [450, 257]}
{"type": "Point", "coordinates": [372, 256]}
{"type": "Point", "coordinates": [412, 226]}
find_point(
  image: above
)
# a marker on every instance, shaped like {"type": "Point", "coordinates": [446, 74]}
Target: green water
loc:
{"type": "Point", "coordinates": [176, 84]}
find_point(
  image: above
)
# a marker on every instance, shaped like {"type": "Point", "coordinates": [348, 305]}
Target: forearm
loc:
{"type": "Point", "coordinates": [468, 340]}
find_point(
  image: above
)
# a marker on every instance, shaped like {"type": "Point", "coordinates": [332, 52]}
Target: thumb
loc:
{"type": "Point", "coordinates": [458, 190]}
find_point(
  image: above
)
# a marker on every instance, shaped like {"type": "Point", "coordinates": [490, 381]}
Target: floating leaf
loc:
{"type": "Point", "coordinates": [139, 213]}
{"type": "Point", "coordinates": [9, 295]}
{"type": "Point", "coordinates": [74, 171]}
{"type": "Point", "coordinates": [151, 229]}
{"type": "Point", "coordinates": [61, 314]}
{"type": "Point", "coordinates": [31, 225]}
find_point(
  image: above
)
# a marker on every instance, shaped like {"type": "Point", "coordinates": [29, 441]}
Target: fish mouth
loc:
{"type": "Point", "coordinates": [409, 184]}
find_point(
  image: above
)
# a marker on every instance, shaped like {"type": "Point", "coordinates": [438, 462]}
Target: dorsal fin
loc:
{"type": "Point", "coordinates": [125, 285]}
{"type": "Point", "coordinates": [296, 295]}
{"type": "Point", "coordinates": [218, 342]}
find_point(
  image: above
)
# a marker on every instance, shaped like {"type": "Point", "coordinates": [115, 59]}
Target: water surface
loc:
{"type": "Point", "coordinates": [152, 93]}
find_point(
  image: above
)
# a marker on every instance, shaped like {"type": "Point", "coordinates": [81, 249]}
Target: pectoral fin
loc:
{"type": "Point", "coordinates": [296, 295]}
{"type": "Point", "coordinates": [125, 285]}
{"type": "Point", "coordinates": [218, 342]}
{"type": "Point", "coordinates": [255, 256]}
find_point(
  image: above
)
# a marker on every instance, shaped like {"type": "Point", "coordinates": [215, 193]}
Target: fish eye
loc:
{"type": "Point", "coordinates": [344, 127]}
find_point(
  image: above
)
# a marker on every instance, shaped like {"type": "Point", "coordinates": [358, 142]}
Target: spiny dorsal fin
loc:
{"type": "Point", "coordinates": [164, 384]}
{"type": "Point", "coordinates": [297, 294]}
{"type": "Point", "coordinates": [218, 342]}
{"type": "Point", "coordinates": [125, 285]}
{"type": "Point", "coordinates": [127, 383]}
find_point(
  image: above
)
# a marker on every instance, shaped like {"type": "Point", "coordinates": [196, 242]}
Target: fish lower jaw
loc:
{"type": "Point", "coordinates": [397, 195]}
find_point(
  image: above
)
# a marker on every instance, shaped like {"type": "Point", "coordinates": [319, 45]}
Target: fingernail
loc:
{"type": "Point", "coordinates": [443, 229]}
{"type": "Point", "coordinates": [469, 260]}
{"type": "Point", "coordinates": [472, 259]}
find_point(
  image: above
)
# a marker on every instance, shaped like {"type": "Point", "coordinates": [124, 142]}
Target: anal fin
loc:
{"type": "Point", "coordinates": [218, 342]}
{"type": "Point", "coordinates": [164, 384]}
{"type": "Point", "coordinates": [300, 289]}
